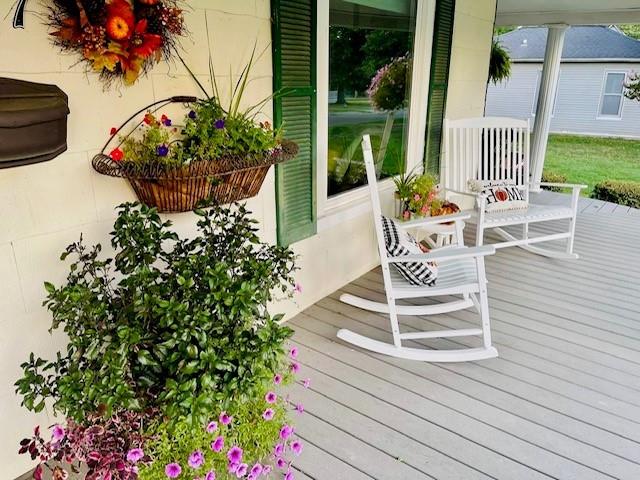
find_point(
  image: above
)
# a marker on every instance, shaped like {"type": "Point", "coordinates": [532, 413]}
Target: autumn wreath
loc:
{"type": "Point", "coordinates": [119, 39]}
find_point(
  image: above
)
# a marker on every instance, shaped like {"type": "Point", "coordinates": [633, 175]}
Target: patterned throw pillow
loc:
{"type": "Point", "coordinates": [398, 243]}
{"type": "Point", "coordinates": [501, 194]}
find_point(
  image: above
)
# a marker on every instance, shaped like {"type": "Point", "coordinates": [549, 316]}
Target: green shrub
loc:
{"type": "Point", "coordinates": [174, 324]}
{"type": "Point", "coordinates": [553, 177]}
{"type": "Point", "coordinates": [618, 191]}
{"type": "Point", "coordinates": [499, 63]}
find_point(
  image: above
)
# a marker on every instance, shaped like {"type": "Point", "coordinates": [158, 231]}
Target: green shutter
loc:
{"type": "Point", "coordinates": [438, 81]}
{"type": "Point", "coordinates": [294, 70]}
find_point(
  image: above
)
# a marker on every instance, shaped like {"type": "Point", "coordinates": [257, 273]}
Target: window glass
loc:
{"type": "Point", "coordinates": [370, 58]}
{"type": "Point", "coordinates": [610, 105]}
{"type": "Point", "coordinates": [614, 83]}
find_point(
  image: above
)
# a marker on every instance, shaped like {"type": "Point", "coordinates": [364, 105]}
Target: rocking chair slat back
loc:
{"type": "Point", "coordinates": [488, 148]}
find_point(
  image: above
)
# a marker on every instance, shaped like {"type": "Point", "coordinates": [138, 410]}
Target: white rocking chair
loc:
{"type": "Point", "coordinates": [461, 273]}
{"type": "Point", "coordinates": [496, 148]}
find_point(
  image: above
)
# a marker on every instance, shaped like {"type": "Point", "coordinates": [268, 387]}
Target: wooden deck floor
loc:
{"type": "Point", "coordinates": [562, 401]}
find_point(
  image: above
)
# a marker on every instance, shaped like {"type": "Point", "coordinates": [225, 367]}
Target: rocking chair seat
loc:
{"type": "Point", "coordinates": [453, 278]}
{"type": "Point", "coordinates": [531, 214]}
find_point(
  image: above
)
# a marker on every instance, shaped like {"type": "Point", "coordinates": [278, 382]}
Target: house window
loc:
{"type": "Point", "coordinates": [534, 107]}
{"type": "Point", "coordinates": [611, 101]}
{"type": "Point", "coordinates": [365, 37]}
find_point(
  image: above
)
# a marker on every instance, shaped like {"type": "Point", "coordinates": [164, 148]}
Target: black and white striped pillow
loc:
{"type": "Point", "coordinates": [398, 243]}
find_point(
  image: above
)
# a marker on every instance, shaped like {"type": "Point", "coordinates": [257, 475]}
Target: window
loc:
{"type": "Point", "coordinates": [368, 39]}
{"type": "Point", "coordinates": [534, 107]}
{"type": "Point", "coordinates": [611, 101]}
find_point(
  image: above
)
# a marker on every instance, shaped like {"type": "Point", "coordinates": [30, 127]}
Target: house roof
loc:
{"type": "Point", "coordinates": [586, 43]}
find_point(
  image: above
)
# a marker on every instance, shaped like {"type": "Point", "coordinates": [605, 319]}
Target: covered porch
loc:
{"type": "Point", "coordinates": [561, 400]}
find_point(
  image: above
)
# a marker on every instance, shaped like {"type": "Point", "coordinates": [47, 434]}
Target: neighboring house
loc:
{"type": "Point", "coordinates": [596, 60]}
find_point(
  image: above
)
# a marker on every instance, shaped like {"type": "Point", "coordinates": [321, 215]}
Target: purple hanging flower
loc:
{"type": "Point", "coordinates": [270, 397]}
{"type": "Point", "coordinates": [196, 459]}
{"type": "Point", "coordinates": [212, 427]}
{"type": "Point", "coordinates": [172, 470]}
{"type": "Point", "coordinates": [286, 431]}
{"type": "Point", "coordinates": [296, 447]}
{"type": "Point", "coordinates": [57, 433]}
{"type": "Point", "coordinates": [299, 408]}
{"type": "Point", "coordinates": [306, 383]}
{"type": "Point", "coordinates": [219, 124]}
{"type": "Point", "coordinates": [281, 463]}
{"type": "Point", "coordinates": [218, 444]}
{"type": "Point", "coordinates": [268, 414]}
{"type": "Point", "coordinates": [256, 470]}
{"type": "Point", "coordinates": [295, 367]}
{"type": "Point", "coordinates": [277, 379]}
{"type": "Point", "coordinates": [289, 475]}
{"type": "Point", "coordinates": [211, 475]}
{"type": "Point", "coordinates": [192, 115]}
{"type": "Point", "coordinates": [225, 419]}
{"type": "Point", "coordinates": [135, 455]}
{"type": "Point", "coordinates": [235, 454]}
{"type": "Point", "coordinates": [293, 352]}
{"type": "Point", "coordinates": [233, 467]}
{"type": "Point", "coordinates": [242, 470]}
{"type": "Point", "coordinates": [266, 470]}
{"type": "Point", "coordinates": [162, 150]}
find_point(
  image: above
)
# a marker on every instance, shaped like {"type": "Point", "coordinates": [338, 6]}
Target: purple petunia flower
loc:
{"type": "Point", "coordinates": [277, 379]}
{"type": "Point", "coordinates": [225, 419]}
{"type": "Point", "coordinates": [299, 408]}
{"type": "Point", "coordinates": [278, 449]}
{"type": "Point", "coordinates": [256, 470]}
{"type": "Point", "coordinates": [172, 470]}
{"type": "Point", "coordinates": [286, 431]}
{"type": "Point", "coordinates": [162, 150]}
{"type": "Point", "coordinates": [212, 427]}
{"type": "Point", "coordinates": [219, 124]}
{"type": "Point", "coordinates": [57, 433]}
{"type": "Point", "coordinates": [293, 352]}
{"type": "Point", "coordinates": [297, 288]}
{"type": "Point", "coordinates": [211, 475]}
{"type": "Point", "coordinates": [270, 397]}
{"type": "Point", "coordinates": [192, 114]}
{"type": "Point", "coordinates": [135, 455]}
{"type": "Point", "coordinates": [232, 467]}
{"type": "Point", "coordinates": [235, 454]}
{"type": "Point", "coordinates": [196, 459]}
{"type": "Point", "coordinates": [218, 444]}
{"type": "Point", "coordinates": [242, 470]}
{"type": "Point", "coordinates": [289, 475]}
{"type": "Point", "coordinates": [296, 447]}
{"type": "Point", "coordinates": [281, 463]}
{"type": "Point", "coordinates": [306, 383]}
{"type": "Point", "coordinates": [268, 414]}
{"type": "Point", "coordinates": [295, 367]}
{"type": "Point", "coordinates": [266, 470]}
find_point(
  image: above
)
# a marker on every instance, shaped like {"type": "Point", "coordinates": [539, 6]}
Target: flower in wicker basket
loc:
{"type": "Point", "coordinates": [213, 153]}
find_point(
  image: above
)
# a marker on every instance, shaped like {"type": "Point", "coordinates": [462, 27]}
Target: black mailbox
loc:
{"type": "Point", "coordinates": [33, 122]}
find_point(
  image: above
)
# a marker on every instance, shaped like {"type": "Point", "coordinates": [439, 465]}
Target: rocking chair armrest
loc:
{"type": "Point", "coordinates": [446, 254]}
{"type": "Point", "coordinates": [578, 186]}
{"type": "Point", "coordinates": [419, 222]}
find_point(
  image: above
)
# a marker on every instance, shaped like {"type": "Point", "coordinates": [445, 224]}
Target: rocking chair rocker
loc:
{"type": "Point", "coordinates": [461, 274]}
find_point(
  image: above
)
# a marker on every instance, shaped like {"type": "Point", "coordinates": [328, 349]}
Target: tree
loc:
{"type": "Point", "coordinates": [345, 45]}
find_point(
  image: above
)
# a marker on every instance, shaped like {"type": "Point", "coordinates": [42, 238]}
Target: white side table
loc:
{"type": "Point", "coordinates": [439, 235]}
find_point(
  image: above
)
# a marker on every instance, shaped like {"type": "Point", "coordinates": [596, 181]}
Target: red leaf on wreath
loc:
{"type": "Point", "coordinates": [149, 2]}
{"type": "Point", "coordinates": [70, 30]}
{"type": "Point", "coordinates": [143, 44]}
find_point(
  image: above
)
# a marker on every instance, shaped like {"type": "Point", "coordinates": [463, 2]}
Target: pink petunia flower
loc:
{"type": "Point", "coordinates": [256, 470]}
{"type": "Point", "coordinates": [134, 455]}
{"type": "Point", "coordinates": [297, 288]}
{"type": "Point", "coordinates": [218, 444]}
{"type": "Point", "coordinates": [57, 433]}
{"type": "Point", "coordinates": [172, 470]}
{"type": "Point", "coordinates": [289, 475]}
{"type": "Point", "coordinates": [266, 470]}
{"type": "Point", "coordinates": [295, 367]}
{"type": "Point", "coordinates": [270, 397]}
{"type": "Point", "coordinates": [296, 447]}
{"type": "Point", "coordinates": [211, 475]}
{"type": "Point", "coordinates": [232, 467]}
{"type": "Point", "coordinates": [293, 352]}
{"type": "Point", "coordinates": [299, 408]}
{"type": "Point", "coordinates": [242, 470]}
{"type": "Point", "coordinates": [306, 383]}
{"type": "Point", "coordinates": [235, 454]}
{"type": "Point", "coordinates": [278, 450]}
{"type": "Point", "coordinates": [196, 459]}
{"type": "Point", "coordinates": [268, 414]}
{"type": "Point", "coordinates": [225, 419]}
{"type": "Point", "coordinates": [212, 427]}
{"type": "Point", "coordinates": [281, 463]}
{"type": "Point", "coordinates": [286, 431]}
{"type": "Point", "coordinates": [277, 379]}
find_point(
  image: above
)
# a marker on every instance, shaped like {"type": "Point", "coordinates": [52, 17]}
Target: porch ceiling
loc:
{"type": "Point", "coordinates": [571, 12]}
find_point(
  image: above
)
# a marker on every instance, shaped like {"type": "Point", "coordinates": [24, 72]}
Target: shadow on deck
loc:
{"type": "Point", "coordinates": [562, 401]}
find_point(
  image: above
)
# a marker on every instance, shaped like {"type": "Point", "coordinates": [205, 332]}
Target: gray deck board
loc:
{"type": "Point", "coordinates": [562, 401]}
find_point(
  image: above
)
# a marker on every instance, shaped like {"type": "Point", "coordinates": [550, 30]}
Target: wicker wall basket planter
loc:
{"type": "Point", "coordinates": [180, 189]}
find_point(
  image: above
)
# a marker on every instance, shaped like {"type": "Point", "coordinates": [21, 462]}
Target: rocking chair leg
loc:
{"type": "Point", "coordinates": [479, 235]}
{"type": "Point", "coordinates": [393, 318]}
{"type": "Point", "coordinates": [484, 304]}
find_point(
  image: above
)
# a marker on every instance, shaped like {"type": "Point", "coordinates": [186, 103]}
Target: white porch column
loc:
{"type": "Point", "coordinates": [546, 96]}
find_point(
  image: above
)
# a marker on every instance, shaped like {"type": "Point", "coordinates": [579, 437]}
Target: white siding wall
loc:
{"type": "Point", "coordinates": [578, 99]}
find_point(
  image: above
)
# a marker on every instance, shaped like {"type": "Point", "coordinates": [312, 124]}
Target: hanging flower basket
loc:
{"type": "Point", "coordinates": [183, 187]}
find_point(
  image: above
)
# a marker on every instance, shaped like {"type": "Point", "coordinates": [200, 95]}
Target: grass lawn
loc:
{"type": "Point", "coordinates": [360, 104]}
{"type": "Point", "coordinates": [590, 160]}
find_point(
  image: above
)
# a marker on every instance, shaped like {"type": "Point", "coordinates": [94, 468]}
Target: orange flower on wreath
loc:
{"type": "Point", "coordinates": [120, 20]}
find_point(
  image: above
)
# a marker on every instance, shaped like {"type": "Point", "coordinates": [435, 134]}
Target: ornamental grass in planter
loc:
{"type": "Point", "coordinates": [174, 366]}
